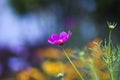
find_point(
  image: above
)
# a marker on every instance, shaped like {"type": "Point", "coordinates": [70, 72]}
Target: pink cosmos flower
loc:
{"type": "Point", "coordinates": [59, 39]}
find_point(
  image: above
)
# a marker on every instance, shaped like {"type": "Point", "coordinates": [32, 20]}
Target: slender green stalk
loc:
{"type": "Point", "coordinates": [91, 65]}
{"type": "Point", "coordinates": [109, 56]}
{"type": "Point", "coordinates": [109, 41]}
{"type": "Point", "coordinates": [72, 64]}
{"type": "Point", "coordinates": [112, 75]}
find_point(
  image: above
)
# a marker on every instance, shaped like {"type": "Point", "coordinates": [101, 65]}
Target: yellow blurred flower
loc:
{"type": "Point", "coordinates": [31, 73]}
{"type": "Point", "coordinates": [53, 67]}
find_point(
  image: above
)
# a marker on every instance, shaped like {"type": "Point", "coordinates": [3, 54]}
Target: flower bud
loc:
{"type": "Point", "coordinates": [111, 26]}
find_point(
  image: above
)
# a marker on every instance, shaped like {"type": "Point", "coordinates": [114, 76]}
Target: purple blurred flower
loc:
{"type": "Point", "coordinates": [59, 39]}
{"type": "Point", "coordinates": [17, 64]}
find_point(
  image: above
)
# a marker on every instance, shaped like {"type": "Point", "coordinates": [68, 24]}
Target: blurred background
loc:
{"type": "Point", "coordinates": [25, 26]}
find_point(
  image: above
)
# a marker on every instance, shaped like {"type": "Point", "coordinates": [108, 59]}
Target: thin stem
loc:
{"type": "Point", "coordinates": [112, 75]}
{"type": "Point", "coordinates": [109, 56]}
{"type": "Point", "coordinates": [73, 64]}
{"type": "Point", "coordinates": [94, 76]}
{"type": "Point", "coordinates": [109, 41]}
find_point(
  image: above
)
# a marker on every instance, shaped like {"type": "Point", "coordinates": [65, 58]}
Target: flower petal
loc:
{"type": "Point", "coordinates": [55, 36]}
{"type": "Point", "coordinates": [69, 34]}
{"type": "Point", "coordinates": [63, 35]}
{"type": "Point", "coordinates": [51, 41]}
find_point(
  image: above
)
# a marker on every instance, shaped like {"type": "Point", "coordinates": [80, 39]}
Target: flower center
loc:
{"type": "Point", "coordinates": [61, 40]}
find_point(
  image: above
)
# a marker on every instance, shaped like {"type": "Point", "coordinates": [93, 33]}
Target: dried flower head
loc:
{"type": "Point", "coordinates": [111, 25]}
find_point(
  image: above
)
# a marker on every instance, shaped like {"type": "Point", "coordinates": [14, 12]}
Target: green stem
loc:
{"type": "Point", "coordinates": [109, 41]}
{"type": "Point", "coordinates": [73, 64]}
{"type": "Point", "coordinates": [112, 75]}
{"type": "Point", "coordinates": [94, 76]}
{"type": "Point", "coordinates": [109, 56]}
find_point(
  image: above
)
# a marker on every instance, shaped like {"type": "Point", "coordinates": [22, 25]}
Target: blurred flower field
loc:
{"type": "Point", "coordinates": [50, 62]}
{"type": "Point", "coordinates": [54, 62]}
{"type": "Point", "coordinates": [59, 40]}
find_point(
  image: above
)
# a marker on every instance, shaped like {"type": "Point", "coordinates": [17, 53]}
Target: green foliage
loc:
{"type": "Point", "coordinates": [24, 6]}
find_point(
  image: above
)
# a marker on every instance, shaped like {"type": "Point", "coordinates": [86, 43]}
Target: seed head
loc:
{"type": "Point", "coordinates": [111, 25]}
